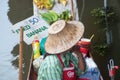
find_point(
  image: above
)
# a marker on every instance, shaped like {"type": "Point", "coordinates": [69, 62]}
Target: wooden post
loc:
{"type": "Point", "coordinates": [20, 53]}
{"type": "Point", "coordinates": [72, 9]}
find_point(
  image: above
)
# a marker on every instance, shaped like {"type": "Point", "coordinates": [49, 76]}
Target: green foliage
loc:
{"type": "Point", "coordinates": [66, 15]}
{"type": "Point", "coordinates": [103, 16]}
{"type": "Point", "coordinates": [101, 13]}
{"type": "Point", "coordinates": [101, 48]}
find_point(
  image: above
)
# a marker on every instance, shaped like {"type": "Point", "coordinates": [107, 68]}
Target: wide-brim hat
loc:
{"type": "Point", "coordinates": [63, 35]}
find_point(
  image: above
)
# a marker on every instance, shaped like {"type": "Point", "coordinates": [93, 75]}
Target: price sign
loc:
{"type": "Point", "coordinates": [32, 26]}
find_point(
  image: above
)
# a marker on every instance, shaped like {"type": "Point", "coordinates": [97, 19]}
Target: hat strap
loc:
{"type": "Point", "coordinates": [60, 59]}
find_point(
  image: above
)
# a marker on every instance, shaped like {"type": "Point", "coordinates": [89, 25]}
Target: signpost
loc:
{"type": "Point", "coordinates": [31, 26]}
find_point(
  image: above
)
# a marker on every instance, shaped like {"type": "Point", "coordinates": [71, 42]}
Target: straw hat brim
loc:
{"type": "Point", "coordinates": [66, 39]}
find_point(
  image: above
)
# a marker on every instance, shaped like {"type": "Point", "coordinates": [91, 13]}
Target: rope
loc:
{"type": "Point", "coordinates": [83, 7]}
{"type": "Point", "coordinates": [72, 10]}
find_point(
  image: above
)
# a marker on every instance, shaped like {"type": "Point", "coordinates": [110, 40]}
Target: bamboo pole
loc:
{"type": "Point", "coordinates": [20, 53]}
{"type": "Point", "coordinates": [72, 10]}
{"type": "Point", "coordinates": [82, 10]}
{"type": "Point", "coordinates": [92, 37]}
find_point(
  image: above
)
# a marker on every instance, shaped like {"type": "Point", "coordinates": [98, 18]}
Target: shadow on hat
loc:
{"type": "Point", "coordinates": [63, 36]}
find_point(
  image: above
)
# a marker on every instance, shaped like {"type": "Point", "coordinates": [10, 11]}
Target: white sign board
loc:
{"type": "Point", "coordinates": [32, 26]}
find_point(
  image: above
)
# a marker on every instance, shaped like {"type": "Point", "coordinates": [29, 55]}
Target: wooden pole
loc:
{"type": "Point", "coordinates": [30, 67]}
{"type": "Point", "coordinates": [20, 53]}
{"type": "Point", "coordinates": [72, 9]}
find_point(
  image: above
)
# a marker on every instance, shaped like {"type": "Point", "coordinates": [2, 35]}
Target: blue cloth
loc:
{"type": "Point", "coordinates": [92, 71]}
{"type": "Point", "coordinates": [42, 44]}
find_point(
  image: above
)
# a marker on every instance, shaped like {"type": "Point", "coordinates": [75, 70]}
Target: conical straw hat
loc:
{"type": "Point", "coordinates": [63, 36]}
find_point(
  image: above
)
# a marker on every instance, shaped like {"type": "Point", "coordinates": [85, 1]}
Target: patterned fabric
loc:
{"type": "Point", "coordinates": [92, 71]}
{"type": "Point", "coordinates": [51, 68]}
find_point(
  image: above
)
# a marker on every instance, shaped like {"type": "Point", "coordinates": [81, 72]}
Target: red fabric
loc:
{"type": "Point", "coordinates": [68, 72]}
{"type": "Point", "coordinates": [60, 59]}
